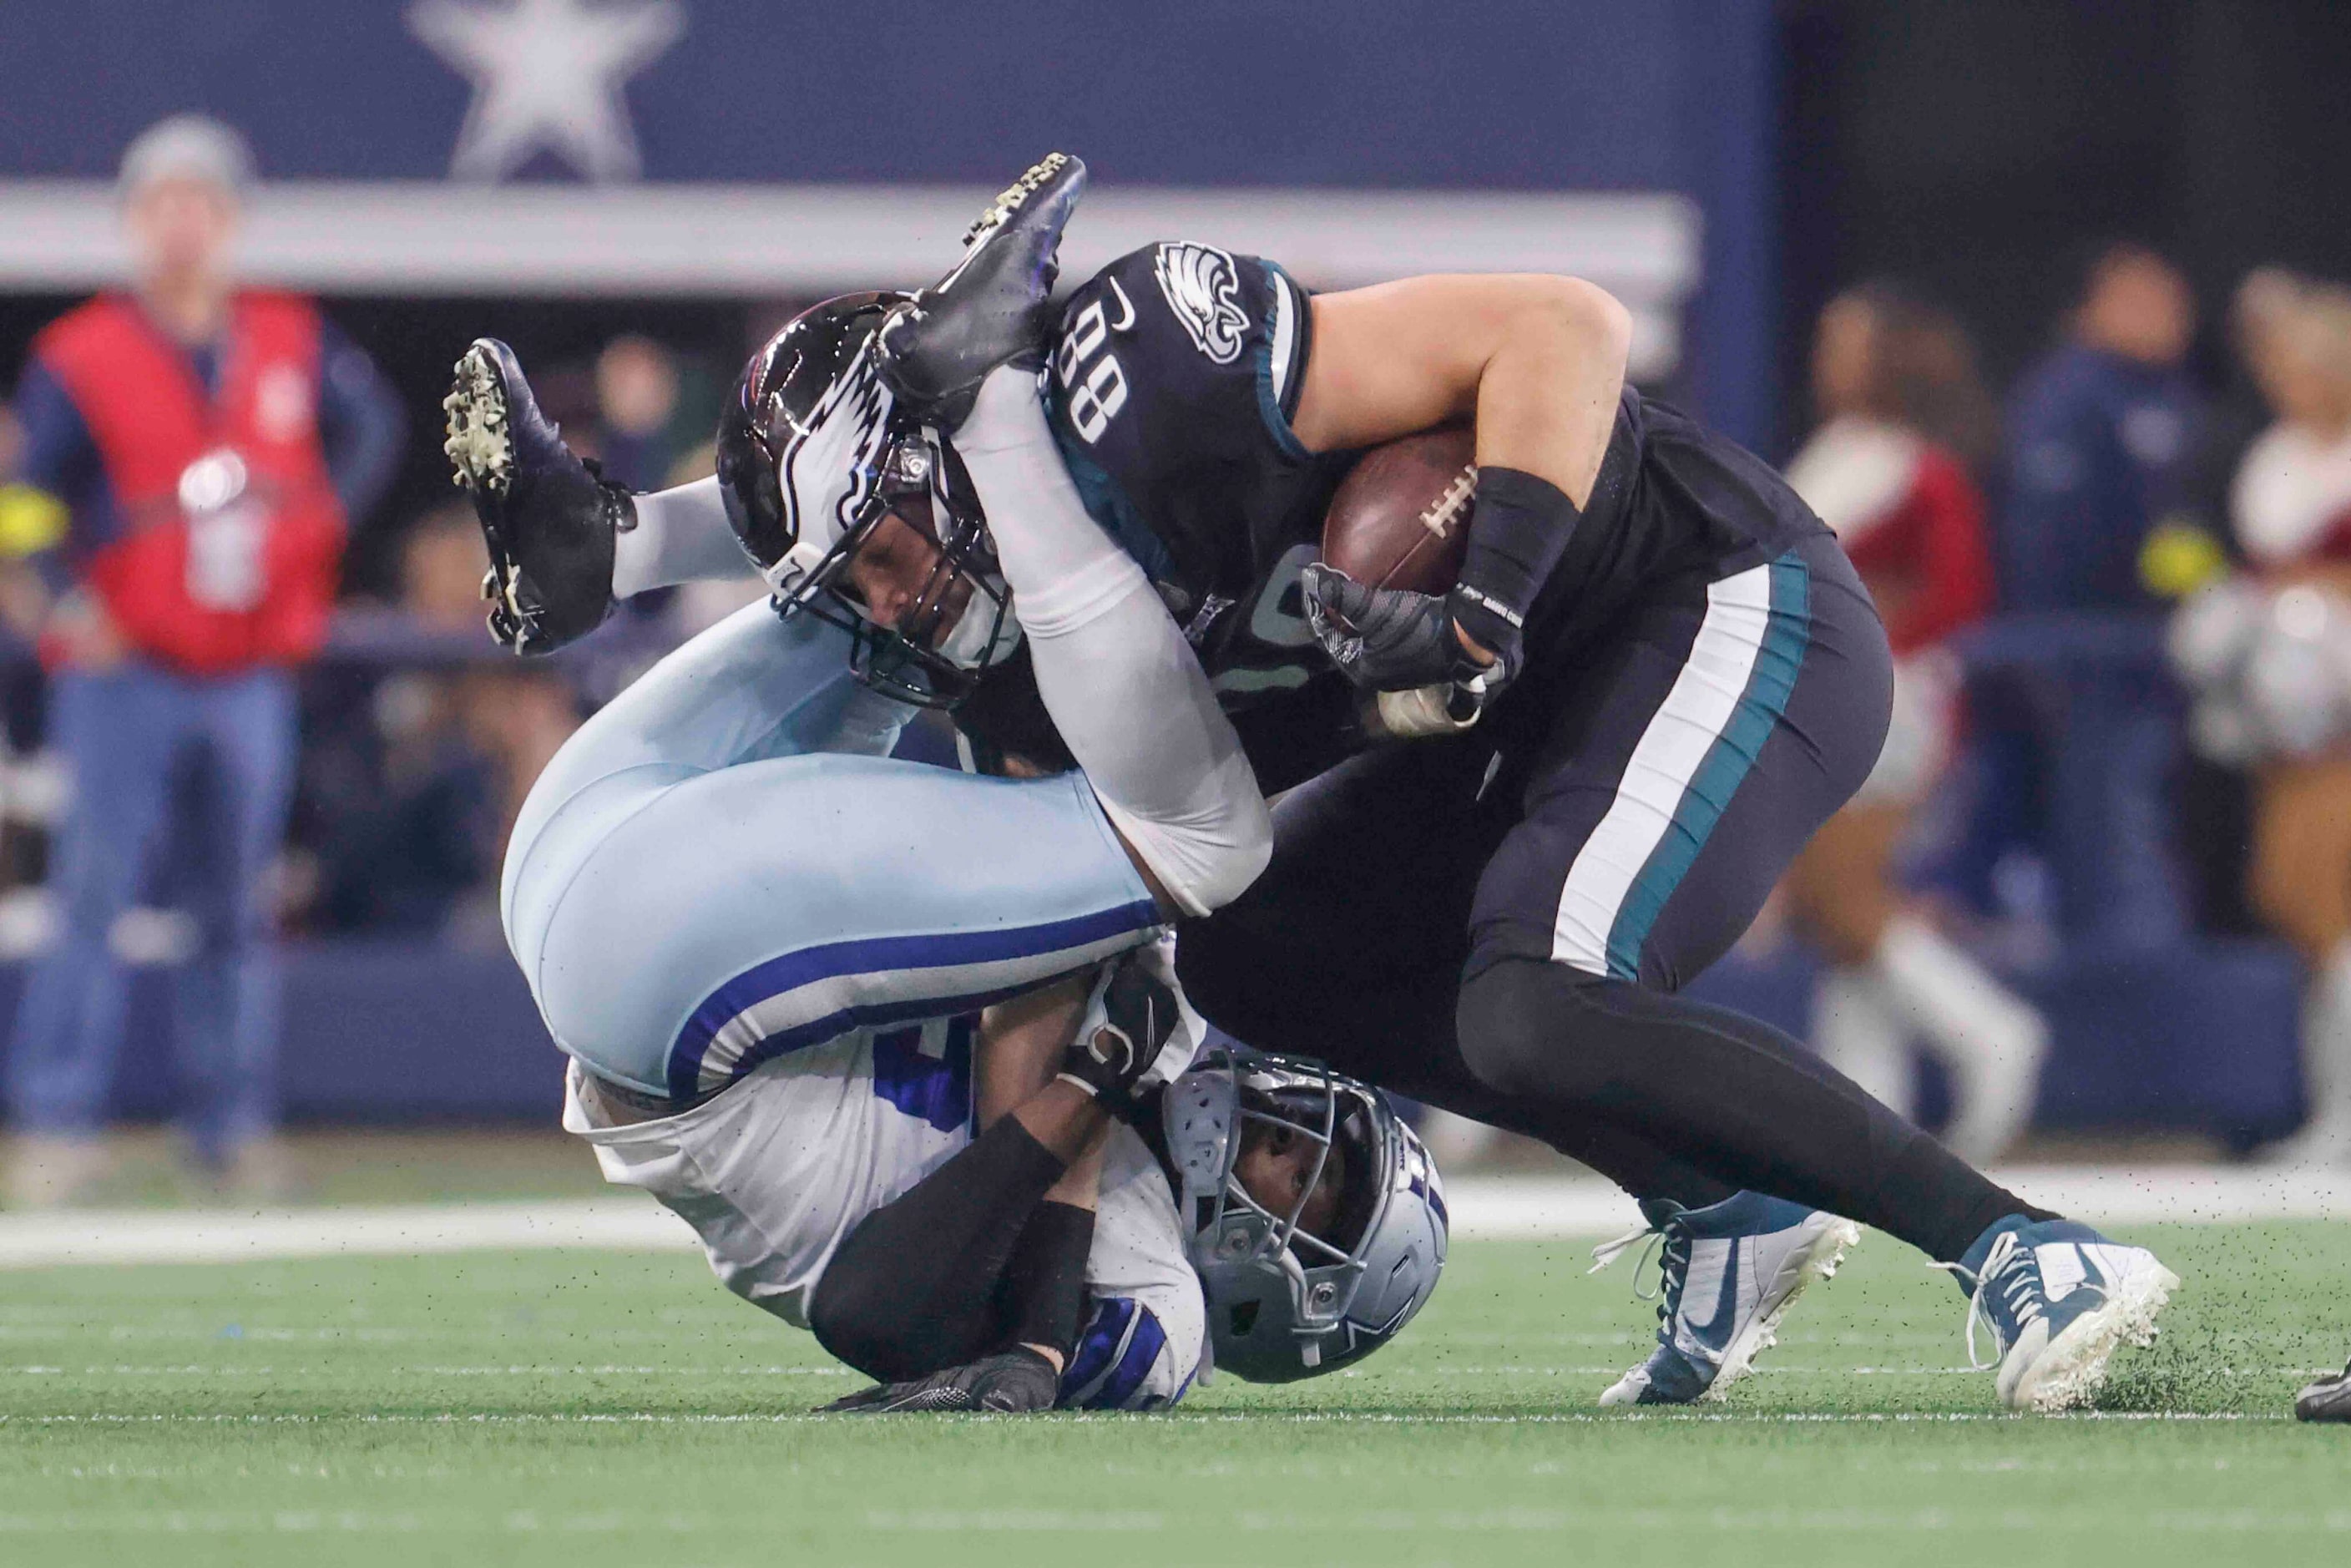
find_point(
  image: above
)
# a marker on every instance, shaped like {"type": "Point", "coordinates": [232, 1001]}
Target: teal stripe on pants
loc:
{"type": "Point", "coordinates": [1787, 635]}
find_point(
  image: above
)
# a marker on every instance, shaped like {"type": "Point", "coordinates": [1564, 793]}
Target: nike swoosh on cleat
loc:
{"type": "Point", "coordinates": [2091, 1273]}
{"type": "Point", "coordinates": [1726, 1307]}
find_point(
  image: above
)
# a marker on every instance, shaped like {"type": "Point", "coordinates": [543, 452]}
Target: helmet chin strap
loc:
{"type": "Point", "coordinates": [794, 567]}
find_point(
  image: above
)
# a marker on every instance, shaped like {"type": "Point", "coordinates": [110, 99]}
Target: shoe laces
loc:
{"type": "Point", "coordinates": [1670, 1242]}
{"type": "Point", "coordinates": [2007, 1269]}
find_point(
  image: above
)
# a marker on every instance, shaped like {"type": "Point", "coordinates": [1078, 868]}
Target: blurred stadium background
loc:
{"type": "Point", "coordinates": [635, 191]}
{"type": "Point", "coordinates": [2044, 300]}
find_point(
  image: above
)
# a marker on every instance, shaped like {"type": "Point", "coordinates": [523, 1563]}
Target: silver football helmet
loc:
{"type": "Point", "coordinates": [1283, 1302]}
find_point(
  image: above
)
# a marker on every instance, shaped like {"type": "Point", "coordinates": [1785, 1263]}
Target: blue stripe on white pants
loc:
{"type": "Point", "coordinates": [713, 921]}
{"type": "Point", "coordinates": [812, 994]}
{"type": "Point", "coordinates": [1691, 757]}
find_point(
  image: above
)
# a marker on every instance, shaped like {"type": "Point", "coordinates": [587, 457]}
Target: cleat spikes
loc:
{"type": "Point", "coordinates": [995, 308]}
{"type": "Point", "coordinates": [478, 444]}
{"type": "Point", "coordinates": [1009, 200]}
{"type": "Point", "coordinates": [548, 519]}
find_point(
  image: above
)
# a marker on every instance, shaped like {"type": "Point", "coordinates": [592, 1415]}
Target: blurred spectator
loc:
{"type": "Point", "coordinates": [2215, 792]}
{"type": "Point", "coordinates": [515, 716]}
{"type": "Point", "coordinates": [655, 417]}
{"type": "Point", "coordinates": [2076, 742]}
{"type": "Point", "coordinates": [413, 795]}
{"type": "Point", "coordinates": [2272, 656]}
{"type": "Point", "coordinates": [2098, 435]}
{"type": "Point", "coordinates": [1896, 384]}
{"type": "Point", "coordinates": [637, 402]}
{"type": "Point", "coordinates": [191, 453]}
{"type": "Point", "coordinates": [26, 779]}
{"type": "Point", "coordinates": [402, 815]}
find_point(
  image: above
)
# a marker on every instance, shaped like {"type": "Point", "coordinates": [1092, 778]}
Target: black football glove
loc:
{"type": "Point", "coordinates": [1132, 1016]}
{"type": "Point", "coordinates": [1013, 1382]}
{"type": "Point", "coordinates": [1387, 639]}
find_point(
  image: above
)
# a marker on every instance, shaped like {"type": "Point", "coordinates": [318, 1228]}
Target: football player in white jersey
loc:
{"type": "Point", "coordinates": [767, 949]}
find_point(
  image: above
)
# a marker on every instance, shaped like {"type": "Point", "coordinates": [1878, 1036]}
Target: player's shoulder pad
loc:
{"type": "Point", "coordinates": [1195, 326]}
{"type": "Point", "coordinates": [1223, 303]}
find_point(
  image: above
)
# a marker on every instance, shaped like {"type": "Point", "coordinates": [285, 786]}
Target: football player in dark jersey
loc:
{"type": "Point", "coordinates": [1674, 672]}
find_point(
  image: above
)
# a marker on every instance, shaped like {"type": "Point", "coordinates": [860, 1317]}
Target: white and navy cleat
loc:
{"type": "Point", "coordinates": [2059, 1300]}
{"type": "Point", "coordinates": [1730, 1273]}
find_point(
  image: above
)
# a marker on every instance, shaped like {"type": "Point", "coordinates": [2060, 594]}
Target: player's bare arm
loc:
{"type": "Point", "coordinates": [1537, 361]}
{"type": "Point", "coordinates": [1021, 1044]}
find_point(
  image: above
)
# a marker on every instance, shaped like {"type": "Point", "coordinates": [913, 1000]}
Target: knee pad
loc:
{"type": "Point", "coordinates": [1526, 1027]}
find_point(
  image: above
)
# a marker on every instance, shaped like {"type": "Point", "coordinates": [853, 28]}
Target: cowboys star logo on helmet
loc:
{"type": "Point", "coordinates": [1203, 289]}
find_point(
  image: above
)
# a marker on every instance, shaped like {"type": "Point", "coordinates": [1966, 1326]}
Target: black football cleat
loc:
{"type": "Point", "coordinates": [2328, 1400]}
{"type": "Point", "coordinates": [994, 308]}
{"type": "Point", "coordinates": [548, 517]}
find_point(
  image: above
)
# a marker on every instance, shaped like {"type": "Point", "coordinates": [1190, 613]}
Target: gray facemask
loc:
{"type": "Point", "coordinates": [1284, 1303]}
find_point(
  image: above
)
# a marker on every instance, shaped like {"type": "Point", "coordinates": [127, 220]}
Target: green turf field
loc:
{"type": "Point", "coordinates": [594, 1409]}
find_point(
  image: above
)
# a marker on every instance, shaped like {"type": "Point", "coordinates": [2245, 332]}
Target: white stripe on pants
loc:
{"type": "Point", "coordinates": [1673, 746]}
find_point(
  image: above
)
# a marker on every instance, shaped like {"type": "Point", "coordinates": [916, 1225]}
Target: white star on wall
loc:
{"type": "Point", "coordinates": [547, 76]}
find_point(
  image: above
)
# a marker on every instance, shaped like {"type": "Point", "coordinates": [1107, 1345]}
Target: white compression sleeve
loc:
{"type": "Point", "coordinates": [1123, 687]}
{"type": "Point", "coordinates": [681, 536]}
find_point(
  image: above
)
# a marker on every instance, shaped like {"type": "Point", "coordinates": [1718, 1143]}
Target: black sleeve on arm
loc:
{"type": "Point", "coordinates": [1043, 1293]}
{"type": "Point", "coordinates": [916, 1288]}
{"type": "Point", "coordinates": [1517, 535]}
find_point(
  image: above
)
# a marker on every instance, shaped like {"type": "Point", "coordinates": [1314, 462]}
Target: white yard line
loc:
{"type": "Point", "coordinates": [216, 1236]}
{"type": "Point", "coordinates": [1483, 1208]}
{"type": "Point", "coordinates": [1170, 1417]}
{"type": "Point", "coordinates": [1545, 1207]}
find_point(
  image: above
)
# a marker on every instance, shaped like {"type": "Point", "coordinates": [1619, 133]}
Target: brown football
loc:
{"type": "Point", "coordinates": [1401, 518]}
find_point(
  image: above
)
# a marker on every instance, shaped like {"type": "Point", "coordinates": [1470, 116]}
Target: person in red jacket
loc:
{"type": "Point", "coordinates": [1894, 381]}
{"type": "Point", "coordinates": [191, 451]}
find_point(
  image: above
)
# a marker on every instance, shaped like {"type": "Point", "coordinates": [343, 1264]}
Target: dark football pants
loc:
{"type": "Point", "coordinates": [1495, 924]}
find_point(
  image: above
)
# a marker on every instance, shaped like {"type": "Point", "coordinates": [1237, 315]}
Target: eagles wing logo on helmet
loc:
{"type": "Point", "coordinates": [828, 464]}
{"type": "Point", "coordinates": [1203, 289]}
